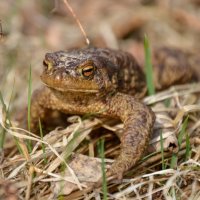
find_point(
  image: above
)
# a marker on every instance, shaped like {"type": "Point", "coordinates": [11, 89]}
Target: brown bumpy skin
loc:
{"type": "Point", "coordinates": [104, 82]}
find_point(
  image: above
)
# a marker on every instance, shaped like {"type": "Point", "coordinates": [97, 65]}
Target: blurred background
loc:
{"type": "Point", "coordinates": [33, 28]}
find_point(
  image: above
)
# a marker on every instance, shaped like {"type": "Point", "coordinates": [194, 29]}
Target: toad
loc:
{"type": "Point", "coordinates": [107, 83]}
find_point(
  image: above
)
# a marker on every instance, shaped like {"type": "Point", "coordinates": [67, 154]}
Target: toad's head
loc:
{"type": "Point", "coordinates": [79, 70]}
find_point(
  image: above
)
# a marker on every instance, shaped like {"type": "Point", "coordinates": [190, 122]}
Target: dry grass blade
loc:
{"type": "Point", "coordinates": [77, 21]}
{"type": "Point", "coordinates": [172, 91]}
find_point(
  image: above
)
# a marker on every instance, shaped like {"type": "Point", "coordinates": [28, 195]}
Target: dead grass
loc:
{"type": "Point", "coordinates": [64, 161]}
{"type": "Point", "coordinates": [67, 169]}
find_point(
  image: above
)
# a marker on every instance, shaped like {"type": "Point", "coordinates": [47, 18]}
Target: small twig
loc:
{"type": "Point", "coordinates": [77, 21]}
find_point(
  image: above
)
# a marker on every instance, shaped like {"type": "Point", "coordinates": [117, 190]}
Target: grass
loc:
{"type": "Point", "coordinates": [42, 137]}
{"type": "Point", "coordinates": [104, 182]}
{"type": "Point", "coordinates": [162, 151]}
{"type": "Point", "coordinates": [72, 144]}
{"type": "Point", "coordinates": [158, 179]}
{"type": "Point", "coordinates": [7, 122]}
{"type": "Point", "coordinates": [151, 91]}
{"type": "Point", "coordinates": [188, 147]}
{"type": "Point", "coordinates": [174, 159]}
{"type": "Point", "coordinates": [5, 114]}
{"type": "Point", "coordinates": [29, 143]}
{"type": "Point", "coordinates": [183, 131]}
{"type": "Point", "coordinates": [150, 177]}
{"type": "Point", "coordinates": [148, 67]}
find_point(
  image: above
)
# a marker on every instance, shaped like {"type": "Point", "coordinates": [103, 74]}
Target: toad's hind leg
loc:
{"type": "Point", "coordinates": [171, 66]}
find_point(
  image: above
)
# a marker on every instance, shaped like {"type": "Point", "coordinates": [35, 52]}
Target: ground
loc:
{"type": "Point", "coordinates": [32, 28]}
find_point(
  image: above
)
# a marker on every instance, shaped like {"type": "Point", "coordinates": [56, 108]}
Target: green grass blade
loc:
{"type": "Point", "coordinates": [174, 161]}
{"type": "Point", "coordinates": [11, 98]}
{"type": "Point", "coordinates": [7, 124]}
{"type": "Point", "coordinates": [188, 147]}
{"type": "Point", "coordinates": [3, 131]}
{"type": "Point", "coordinates": [43, 146]}
{"type": "Point", "coordinates": [29, 98]}
{"type": "Point", "coordinates": [148, 156]}
{"type": "Point", "coordinates": [173, 193]}
{"type": "Point", "coordinates": [148, 67]}
{"type": "Point", "coordinates": [104, 182]}
{"type": "Point", "coordinates": [29, 143]}
{"type": "Point", "coordinates": [71, 145]}
{"type": "Point", "coordinates": [6, 115]}
{"type": "Point", "coordinates": [182, 132]}
{"type": "Point", "coordinates": [167, 102]}
{"type": "Point", "coordinates": [162, 151]}
{"type": "Point", "coordinates": [2, 137]}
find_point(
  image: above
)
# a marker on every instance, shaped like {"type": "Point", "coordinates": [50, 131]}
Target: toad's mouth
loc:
{"type": "Point", "coordinates": [69, 84]}
{"type": "Point", "coordinates": [72, 90]}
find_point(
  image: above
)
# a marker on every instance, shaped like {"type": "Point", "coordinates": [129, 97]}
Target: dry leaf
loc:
{"type": "Point", "coordinates": [87, 170]}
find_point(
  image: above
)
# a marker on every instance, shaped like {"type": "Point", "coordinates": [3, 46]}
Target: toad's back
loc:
{"type": "Point", "coordinates": [171, 66]}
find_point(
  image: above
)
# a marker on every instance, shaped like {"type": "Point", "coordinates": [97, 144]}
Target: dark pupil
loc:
{"type": "Point", "coordinates": [87, 72]}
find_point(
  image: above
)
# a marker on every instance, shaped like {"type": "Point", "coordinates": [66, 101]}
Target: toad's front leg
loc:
{"type": "Point", "coordinates": [138, 122]}
{"type": "Point", "coordinates": [42, 102]}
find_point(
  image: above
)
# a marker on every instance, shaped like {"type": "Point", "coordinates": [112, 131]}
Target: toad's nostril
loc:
{"type": "Point", "coordinates": [45, 64]}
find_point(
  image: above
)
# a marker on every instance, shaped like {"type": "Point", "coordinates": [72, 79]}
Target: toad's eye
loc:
{"type": "Point", "coordinates": [88, 71]}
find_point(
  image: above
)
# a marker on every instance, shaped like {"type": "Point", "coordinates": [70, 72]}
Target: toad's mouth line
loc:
{"type": "Point", "coordinates": [72, 89]}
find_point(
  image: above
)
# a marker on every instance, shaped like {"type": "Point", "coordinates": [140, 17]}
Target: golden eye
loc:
{"type": "Point", "coordinates": [47, 65]}
{"type": "Point", "coordinates": [88, 71]}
